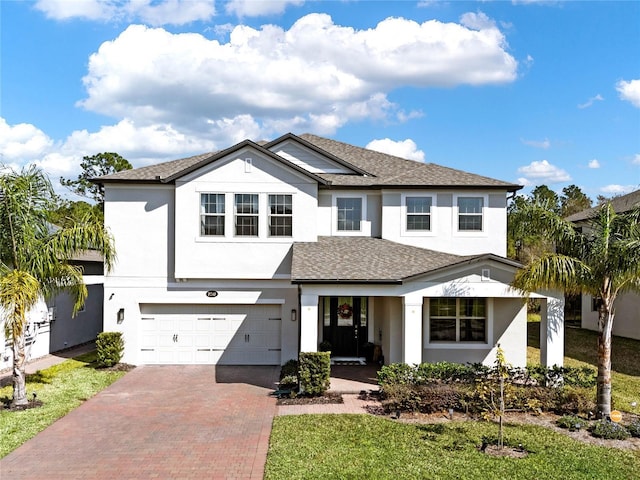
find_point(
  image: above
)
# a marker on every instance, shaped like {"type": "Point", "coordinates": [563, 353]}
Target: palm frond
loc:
{"type": "Point", "coordinates": [19, 292]}
{"type": "Point", "coordinates": [554, 271]}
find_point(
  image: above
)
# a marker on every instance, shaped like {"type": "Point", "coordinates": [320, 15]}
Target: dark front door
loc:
{"type": "Point", "coordinates": [345, 325]}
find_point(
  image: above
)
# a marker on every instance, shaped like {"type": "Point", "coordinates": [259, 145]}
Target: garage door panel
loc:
{"type": "Point", "coordinates": [224, 334]}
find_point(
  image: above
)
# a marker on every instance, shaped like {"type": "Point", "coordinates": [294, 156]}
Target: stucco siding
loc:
{"type": "Point", "coordinates": [627, 320]}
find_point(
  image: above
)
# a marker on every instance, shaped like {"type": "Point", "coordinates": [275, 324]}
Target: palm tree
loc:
{"type": "Point", "coordinates": [601, 259]}
{"type": "Point", "coordinates": [35, 257]}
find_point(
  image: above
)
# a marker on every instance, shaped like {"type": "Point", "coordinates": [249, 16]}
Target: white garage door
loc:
{"type": "Point", "coordinates": [206, 334]}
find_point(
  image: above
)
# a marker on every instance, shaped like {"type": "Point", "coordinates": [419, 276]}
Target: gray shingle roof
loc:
{"type": "Point", "coordinates": [372, 169]}
{"type": "Point", "coordinates": [620, 204]}
{"type": "Point", "coordinates": [388, 170]}
{"type": "Point", "coordinates": [370, 260]}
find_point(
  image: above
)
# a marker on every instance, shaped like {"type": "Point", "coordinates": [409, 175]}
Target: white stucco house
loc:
{"type": "Point", "coordinates": [252, 254]}
{"type": "Point", "coordinates": [627, 319]}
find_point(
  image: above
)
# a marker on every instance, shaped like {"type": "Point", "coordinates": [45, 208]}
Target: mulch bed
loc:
{"type": "Point", "coordinates": [18, 408]}
{"type": "Point", "coordinates": [327, 398]}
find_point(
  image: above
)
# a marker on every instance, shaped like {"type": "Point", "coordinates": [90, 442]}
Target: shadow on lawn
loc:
{"type": "Point", "coordinates": [582, 345]}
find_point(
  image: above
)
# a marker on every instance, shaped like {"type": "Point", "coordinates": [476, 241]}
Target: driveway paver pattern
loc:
{"type": "Point", "coordinates": [165, 422]}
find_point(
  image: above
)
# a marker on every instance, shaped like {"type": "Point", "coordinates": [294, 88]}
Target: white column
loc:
{"type": "Point", "coordinates": [552, 330]}
{"type": "Point", "coordinates": [308, 323]}
{"type": "Point", "coordinates": [412, 329]}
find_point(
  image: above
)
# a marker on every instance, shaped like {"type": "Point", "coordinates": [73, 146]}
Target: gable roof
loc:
{"type": "Point", "coordinates": [371, 260]}
{"type": "Point", "coordinates": [370, 168]}
{"type": "Point", "coordinates": [621, 204]}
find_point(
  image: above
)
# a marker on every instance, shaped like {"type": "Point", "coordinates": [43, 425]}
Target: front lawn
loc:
{"type": "Point", "coordinates": [368, 447]}
{"type": "Point", "coordinates": [61, 388]}
{"type": "Point", "coordinates": [581, 349]}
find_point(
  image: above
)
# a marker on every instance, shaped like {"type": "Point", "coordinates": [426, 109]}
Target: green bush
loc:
{"type": "Point", "coordinates": [396, 374]}
{"type": "Point", "coordinates": [575, 400]}
{"type": "Point", "coordinates": [634, 428]}
{"type": "Point", "coordinates": [570, 422]}
{"type": "Point", "coordinates": [609, 430]}
{"type": "Point", "coordinates": [110, 347]}
{"type": "Point", "coordinates": [432, 398]}
{"type": "Point", "coordinates": [314, 372]}
{"type": "Point", "coordinates": [289, 369]}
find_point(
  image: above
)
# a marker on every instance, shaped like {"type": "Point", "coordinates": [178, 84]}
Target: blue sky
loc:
{"type": "Point", "coordinates": [534, 92]}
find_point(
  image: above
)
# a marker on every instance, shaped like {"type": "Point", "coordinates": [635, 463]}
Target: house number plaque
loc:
{"type": "Point", "coordinates": [212, 293]}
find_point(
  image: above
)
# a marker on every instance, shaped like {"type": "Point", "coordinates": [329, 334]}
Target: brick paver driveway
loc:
{"type": "Point", "coordinates": [165, 422]}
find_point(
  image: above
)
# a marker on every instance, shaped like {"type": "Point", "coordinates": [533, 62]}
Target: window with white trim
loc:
{"type": "Point", "coordinates": [470, 214]}
{"type": "Point", "coordinates": [349, 211]}
{"type": "Point", "coordinates": [212, 214]}
{"type": "Point", "coordinates": [280, 215]}
{"type": "Point", "coordinates": [418, 213]}
{"type": "Point", "coordinates": [246, 214]}
{"type": "Point", "coordinates": [458, 320]}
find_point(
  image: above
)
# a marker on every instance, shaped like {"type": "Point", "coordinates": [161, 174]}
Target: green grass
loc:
{"type": "Point", "coordinates": [368, 447]}
{"type": "Point", "coordinates": [61, 388]}
{"type": "Point", "coordinates": [581, 348]}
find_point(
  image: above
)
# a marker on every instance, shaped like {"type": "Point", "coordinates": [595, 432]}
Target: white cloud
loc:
{"type": "Point", "coordinates": [629, 91]}
{"type": "Point", "coordinates": [151, 75]}
{"type": "Point", "coordinates": [164, 12]}
{"type": "Point", "coordinates": [636, 159]}
{"type": "Point", "coordinates": [591, 101]}
{"type": "Point", "coordinates": [403, 148]}
{"type": "Point", "coordinates": [618, 189]}
{"type": "Point", "coordinates": [22, 142]}
{"type": "Point", "coordinates": [254, 8]}
{"type": "Point", "coordinates": [544, 172]}
{"type": "Point", "coordinates": [544, 144]}
{"type": "Point", "coordinates": [594, 163]}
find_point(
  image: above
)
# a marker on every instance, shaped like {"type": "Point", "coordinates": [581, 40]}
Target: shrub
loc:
{"type": "Point", "coordinates": [575, 400]}
{"type": "Point", "coordinates": [324, 346]}
{"type": "Point", "coordinates": [584, 377]}
{"type": "Point", "coordinates": [634, 428]}
{"type": "Point", "coordinates": [570, 422]}
{"type": "Point", "coordinates": [396, 374]}
{"type": "Point", "coordinates": [431, 398]}
{"type": "Point", "coordinates": [110, 347]}
{"type": "Point", "coordinates": [609, 430]}
{"type": "Point", "coordinates": [314, 372]}
{"type": "Point", "coordinates": [289, 369]}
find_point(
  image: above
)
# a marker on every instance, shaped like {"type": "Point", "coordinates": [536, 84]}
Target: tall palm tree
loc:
{"type": "Point", "coordinates": [601, 258]}
{"type": "Point", "coordinates": [35, 257]}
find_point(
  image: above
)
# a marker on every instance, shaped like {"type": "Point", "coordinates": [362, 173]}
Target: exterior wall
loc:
{"type": "Point", "coordinates": [69, 331]}
{"type": "Point", "coordinates": [507, 327]}
{"type": "Point", "coordinates": [36, 336]}
{"type": "Point", "coordinates": [627, 320]}
{"type": "Point", "coordinates": [127, 296]}
{"type": "Point", "coordinates": [444, 235]}
{"type": "Point", "coordinates": [231, 256]}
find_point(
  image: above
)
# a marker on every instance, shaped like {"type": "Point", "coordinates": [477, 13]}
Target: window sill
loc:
{"type": "Point", "coordinates": [458, 345]}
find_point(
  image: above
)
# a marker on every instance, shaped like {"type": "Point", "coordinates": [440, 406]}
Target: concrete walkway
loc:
{"type": "Point", "coordinates": [166, 422]}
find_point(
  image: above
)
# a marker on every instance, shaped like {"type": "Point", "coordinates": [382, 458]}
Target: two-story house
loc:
{"type": "Point", "coordinates": [252, 254]}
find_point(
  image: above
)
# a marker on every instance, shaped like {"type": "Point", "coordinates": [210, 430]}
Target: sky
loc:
{"type": "Point", "coordinates": [530, 92]}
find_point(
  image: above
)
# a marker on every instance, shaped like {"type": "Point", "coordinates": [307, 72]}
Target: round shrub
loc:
{"type": "Point", "coordinates": [634, 428]}
{"type": "Point", "coordinates": [570, 422]}
{"type": "Point", "coordinates": [609, 430]}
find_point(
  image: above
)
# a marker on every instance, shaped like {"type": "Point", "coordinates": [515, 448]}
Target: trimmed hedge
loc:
{"type": "Point", "coordinates": [110, 347]}
{"type": "Point", "coordinates": [431, 387]}
{"type": "Point", "coordinates": [314, 372]}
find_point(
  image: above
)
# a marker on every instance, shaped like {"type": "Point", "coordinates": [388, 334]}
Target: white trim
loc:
{"type": "Point", "coordinates": [470, 233]}
{"type": "Point", "coordinates": [365, 226]}
{"type": "Point", "coordinates": [403, 215]}
{"type": "Point", "coordinates": [426, 328]}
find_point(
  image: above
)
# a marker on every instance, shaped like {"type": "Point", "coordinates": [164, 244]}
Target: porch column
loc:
{"type": "Point", "coordinates": [308, 323]}
{"type": "Point", "coordinates": [552, 330]}
{"type": "Point", "coordinates": [412, 329]}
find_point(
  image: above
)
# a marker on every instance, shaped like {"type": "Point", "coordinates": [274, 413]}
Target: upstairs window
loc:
{"type": "Point", "coordinates": [458, 320]}
{"type": "Point", "coordinates": [418, 213]}
{"type": "Point", "coordinates": [212, 214]}
{"type": "Point", "coordinates": [349, 214]}
{"type": "Point", "coordinates": [246, 214]}
{"type": "Point", "coordinates": [470, 214]}
{"type": "Point", "coordinates": [280, 216]}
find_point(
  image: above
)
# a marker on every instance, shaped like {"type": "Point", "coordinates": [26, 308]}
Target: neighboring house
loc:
{"type": "Point", "coordinates": [254, 253]}
{"type": "Point", "coordinates": [627, 319]}
{"type": "Point", "coordinates": [51, 327]}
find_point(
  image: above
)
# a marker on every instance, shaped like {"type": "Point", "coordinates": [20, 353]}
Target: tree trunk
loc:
{"type": "Point", "coordinates": [603, 396]}
{"type": "Point", "coordinates": [19, 379]}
